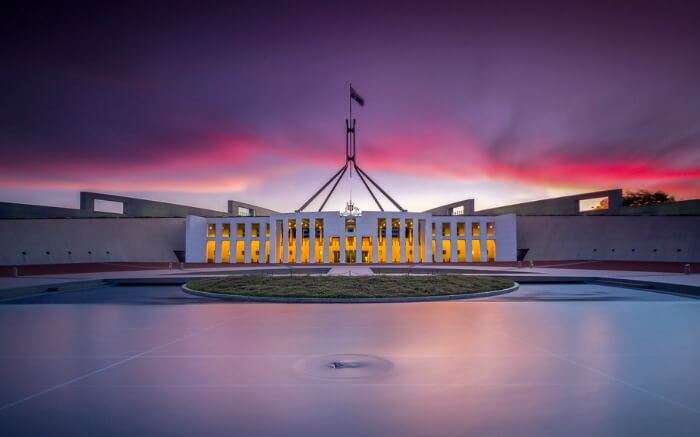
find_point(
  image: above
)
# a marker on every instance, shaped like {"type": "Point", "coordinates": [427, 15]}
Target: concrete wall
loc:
{"type": "Point", "coordinates": [568, 205]}
{"type": "Point", "coordinates": [255, 210]}
{"type": "Point", "coordinates": [90, 240]}
{"type": "Point", "coordinates": [468, 205]}
{"type": "Point", "coordinates": [9, 210]}
{"type": "Point", "coordinates": [134, 207]}
{"type": "Point", "coordinates": [625, 238]}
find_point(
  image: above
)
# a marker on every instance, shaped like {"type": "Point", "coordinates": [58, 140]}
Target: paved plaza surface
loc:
{"type": "Point", "coordinates": [547, 360]}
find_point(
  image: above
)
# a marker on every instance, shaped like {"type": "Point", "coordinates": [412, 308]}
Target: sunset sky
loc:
{"type": "Point", "coordinates": [500, 101]}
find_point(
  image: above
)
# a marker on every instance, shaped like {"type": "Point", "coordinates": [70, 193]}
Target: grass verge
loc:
{"type": "Point", "coordinates": [350, 287]}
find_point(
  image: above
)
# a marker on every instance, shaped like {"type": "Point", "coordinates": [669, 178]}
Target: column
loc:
{"type": "Point", "coordinates": [416, 235]}
{"type": "Point", "coordinates": [375, 244]}
{"type": "Point", "coordinates": [298, 240]}
{"type": "Point", "coordinates": [358, 248]}
{"type": "Point", "coordinates": [217, 244]}
{"type": "Point", "coordinates": [482, 238]}
{"type": "Point", "coordinates": [326, 244]}
{"type": "Point", "coordinates": [402, 239]}
{"type": "Point", "coordinates": [285, 240]}
{"type": "Point", "coordinates": [312, 240]}
{"type": "Point", "coordinates": [453, 242]}
{"type": "Point", "coordinates": [342, 247]}
{"type": "Point", "coordinates": [469, 257]}
{"type": "Point", "coordinates": [273, 241]}
{"type": "Point", "coordinates": [428, 241]}
{"type": "Point", "coordinates": [247, 239]}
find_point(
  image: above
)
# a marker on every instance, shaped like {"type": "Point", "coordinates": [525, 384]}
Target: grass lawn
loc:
{"type": "Point", "coordinates": [349, 286]}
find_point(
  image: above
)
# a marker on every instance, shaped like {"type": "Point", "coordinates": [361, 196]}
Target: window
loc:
{"type": "Point", "coordinates": [381, 229]}
{"type": "Point", "coordinates": [255, 251]}
{"type": "Point", "coordinates": [445, 229]}
{"type": "Point", "coordinates": [461, 229]}
{"type": "Point", "coordinates": [491, 250]}
{"type": "Point", "coordinates": [446, 251]}
{"type": "Point", "coordinates": [225, 251]}
{"type": "Point", "coordinates": [211, 251]}
{"type": "Point", "coordinates": [255, 230]}
{"type": "Point", "coordinates": [211, 230]}
{"type": "Point", "coordinates": [457, 210]}
{"type": "Point", "coordinates": [594, 204]}
{"type": "Point", "coordinates": [476, 232]}
{"type": "Point", "coordinates": [350, 250]}
{"type": "Point", "coordinates": [226, 230]}
{"type": "Point", "coordinates": [240, 230]}
{"type": "Point", "coordinates": [366, 250]}
{"type": "Point", "coordinates": [108, 206]}
{"type": "Point", "coordinates": [490, 229]}
{"type": "Point", "coordinates": [395, 228]}
{"type": "Point", "coordinates": [350, 224]}
{"type": "Point", "coordinates": [245, 212]}
{"type": "Point", "coordinates": [476, 251]}
{"type": "Point", "coordinates": [240, 251]}
{"type": "Point", "coordinates": [461, 251]}
{"type": "Point", "coordinates": [267, 230]}
{"type": "Point", "coordinates": [335, 250]}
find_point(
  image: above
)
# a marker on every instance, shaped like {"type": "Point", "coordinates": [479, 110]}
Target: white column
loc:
{"type": "Point", "coordinates": [482, 238]}
{"type": "Point", "coordinates": [416, 247]}
{"type": "Point", "coordinates": [358, 248]}
{"type": "Point", "coordinates": [312, 240]}
{"type": "Point", "coordinates": [261, 243]}
{"type": "Point", "coordinates": [402, 240]}
{"type": "Point", "coordinates": [428, 240]}
{"type": "Point", "coordinates": [217, 237]}
{"type": "Point", "coordinates": [273, 241]}
{"type": "Point", "coordinates": [285, 240]}
{"type": "Point", "coordinates": [453, 242]}
{"type": "Point", "coordinates": [469, 257]}
{"type": "Point", "coordinates": [326, 245]}
{"type": "Point", "coordinates": [298, 241]}
{"type": "Point", "coordinates": [246, 245]}
{"type": "Point", "coordinates": [342, 248]}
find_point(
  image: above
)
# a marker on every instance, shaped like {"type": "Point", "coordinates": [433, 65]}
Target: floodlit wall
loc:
{"type": "Point", "coordinates": [624, 238]}
{"type": "Point", "coordinates": [55, 241]}
{"type": "Point", "coordinates": [343, 242]}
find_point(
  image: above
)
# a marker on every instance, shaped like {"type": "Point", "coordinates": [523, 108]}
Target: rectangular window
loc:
{"type": "Point", "coordinates": [476, 232]}
{"type": "Point", "coordinates": [267, 251]}
{"type": "Point", "coordinates": [491, 229]}
{"type": "Point", "coordinates": [457, 210]}
{"type": "Point", "coordinates": [292, 241]}
{"type": "Point", "coordinates": [211, 251]}
{"type": "Point", "coordinates": [244, 212]}
{"type": "Point", "coordinates": [446, 251]}
{"type": "Point", "coordinates": [381, 240]}
{"type": "Point", "coordinates": [101, 205]}
{"type": "Point", "coordinates": [366, 250]}
{"type": "Point", "coordinates": [491, 250]}
{"type": "Point", "coordinates": [318, 248]}
{"type": "Point", "coordinates": [335, 250]}
{"type": "Point", "coordinates": [409, 240]}
{"type": "Point", "coordinates": [279, 226]}
{"type": "Point", "coordinates": [350, 224]}
{"type": "Point", "coordinates": [433, 248]}
{"type": "Point", "coordinates": [461, 229]}
{"type": "Point", "coordinates": [395, 228]}
{"type": "Point", "coordinates": [595, 204]}
{"type": "Point", "coordinates": [240, 251]}
{"type": "Point", "coordinates": [421, 240]}
{"type": "Point", "coordinates": [350, 250]}
{"type": "Point", "coordinates": [461, 251]}
{"type": "Point", "coordinates": [445, 229]}
{"type": "Point", "coordinates": [211, 230]}
{"type": "Point", "coordinates": [267, 231]}
{"type": "Point", "coordinates": [433, 231]}
{"type": "Point", "coordinates": [476, 251]}
{"type": "Point", "coordinates": [225, 251]}
{"type": "Point", "coordinates": [240, 230]}
{"type": "Point", "coordinates": [255, 251]}
{"type": "Point", "coordinates": [255, 230]}
{"type": "Point", "coordinates": [226, 230]}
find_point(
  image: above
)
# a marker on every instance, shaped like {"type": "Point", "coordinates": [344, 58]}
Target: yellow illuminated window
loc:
{"type": "Point", "coordinates": [461, 251]}
{"type": "Point", "coordinates": [461, 229]}
{"type": "Point", "coordinates": [446, 251]}
{"type": "Point", "coordinates": [433, 249]}
{"type": "Point", "coordinates": [475, 230]}
{"type": "Point", "coordinates": [318, 249]}
{"type": "Point", "coordinates": [409, 241]}
{"type": "Point", "coordinates": [476, 251]}
{"type": "Point", "coordinates": [255, 230]}
{"type": "Point", "coordinates": [280, 241]}
{"type": "Point", "coordinates": [267, 231]}
{"type": "Point", "coordinates": [445, 229]}
{"type": "Point", "coordinates": [226, 230]}
{"type": "Point", "coordinates": [350, 257]}
{"type": "Point", "coordinates": [381, 240]}
{"type": "Point", "coordinates": [255, 251]}
{"type": "Point", "coordinates": [211, 251]}
{"type": "Point", "coordinates": [267, 251]}
{"type": "Point", "coordinates": [366, 249]}
{"type": "Point", "coordinates": [225, 251]}
{"type": "Point", "coordinates": [350, 224]}
{"type": "Point", "coordinates": [335, 250]}
{"type": "Point", "coordinates": [490, 229]}
{"type": "Point", "coordinates": [292, 240]}
{"type": "Point", "coordinates": [240, 230]}
{"type": "Point", "coordinates": [491, 250]}
{"type": "Point", "coordinates": [211, 230]}
{"type": "Point", "coordinates": [240, 251]}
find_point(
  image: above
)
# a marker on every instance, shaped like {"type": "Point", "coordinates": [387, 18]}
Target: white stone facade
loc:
{"type": "Point", "coordinates": [464, 238]}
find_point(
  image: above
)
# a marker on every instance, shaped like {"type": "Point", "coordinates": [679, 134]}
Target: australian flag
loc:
{"type": "Point", "coordinates": [358, 98]}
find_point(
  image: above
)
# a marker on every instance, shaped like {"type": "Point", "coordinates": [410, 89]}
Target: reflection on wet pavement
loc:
{"type": "Point", "coordinates": [545, 360]}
